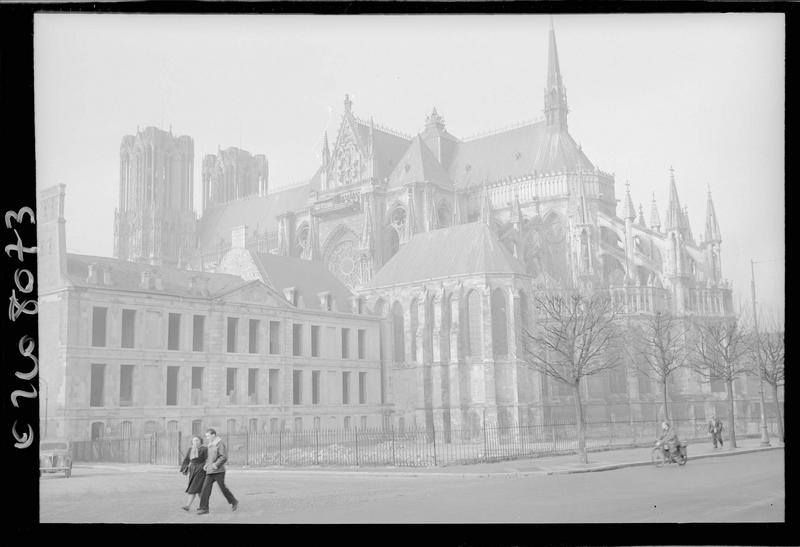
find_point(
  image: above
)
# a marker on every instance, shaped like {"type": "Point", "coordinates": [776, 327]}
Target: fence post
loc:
{"type": "Point", "coordinates": [433, 429]}
{"type": "Point", "coordinates": [485, 449]}
{"type": "Point", "coordinates": [394, 458]}
{"type": "Point", "coordinates": [355, 432]}
{"type": "Point", "coordinates": [280, 447]}
{"type": "Point", "coordinates": [247, 449]}
{"type": "Point", "coordinates": [316, 444]}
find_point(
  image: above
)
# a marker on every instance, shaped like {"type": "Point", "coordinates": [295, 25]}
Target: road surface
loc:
{"type": "Point", "coordinates": [741, 488]}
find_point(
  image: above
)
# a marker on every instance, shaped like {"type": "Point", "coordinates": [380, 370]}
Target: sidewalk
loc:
{"type": "Point", "coordinates": [549, 465]}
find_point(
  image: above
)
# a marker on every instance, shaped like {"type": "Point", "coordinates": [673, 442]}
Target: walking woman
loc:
{"type": "Point", "coordinates": [192, 466]}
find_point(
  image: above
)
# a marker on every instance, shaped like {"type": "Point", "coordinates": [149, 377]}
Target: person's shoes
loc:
{"type": "Point", "coordinates": [202, 511]}
{"type": "Point", "coordinates": [234, 506]}
{"type": "Point", "coordinates": [185, 507]}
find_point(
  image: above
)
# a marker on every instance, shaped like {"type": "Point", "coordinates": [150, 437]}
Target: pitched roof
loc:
{"type": "Point", "coordinates": [309, 277]}
{"type": "Point", "coordinates": [516, 152]}
{"type": "Point", "coordinates": [255, 212]}
{"type": "Point", "coordinates": [127, 275]}
{"type": "Point", "coordinates": [464, 249]}
{"type": "Point", "coordinates": [418, 164]}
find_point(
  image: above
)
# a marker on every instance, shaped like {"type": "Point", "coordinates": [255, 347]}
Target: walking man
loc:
{"type": "Point", "coordinates": [215, 472]}
{"type": "Point", "coordinates": [715, 429]}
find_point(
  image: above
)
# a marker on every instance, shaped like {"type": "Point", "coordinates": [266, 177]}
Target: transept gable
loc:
{"type": "Point", "coordinates": [350, 153]}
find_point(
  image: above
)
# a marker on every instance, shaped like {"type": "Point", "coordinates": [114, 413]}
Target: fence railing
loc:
{"type": "Point", "coordinates": [414, 447]}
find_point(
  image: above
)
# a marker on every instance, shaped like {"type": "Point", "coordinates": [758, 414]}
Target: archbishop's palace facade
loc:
{"type": "Point", "coordinates": [392, 287]}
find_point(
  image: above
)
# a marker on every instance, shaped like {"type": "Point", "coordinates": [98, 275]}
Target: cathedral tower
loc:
{"type": "Point", "coordinates": [155, 221]}
{"type": "Point", "coordinates": [555, 94]}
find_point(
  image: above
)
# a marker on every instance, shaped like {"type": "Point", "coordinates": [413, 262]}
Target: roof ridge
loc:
{"type": "Point", "coordinates": [517, 125]}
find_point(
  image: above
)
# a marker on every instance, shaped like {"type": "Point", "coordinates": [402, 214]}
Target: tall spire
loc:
{"type": "Point", "coordinates": [655, 219]}
{"type": "Point", "coordinates": [628, 210]}
{"type": "Point", "coordinates": [555, 94]}
{"type": "Point", "coordinates": [326, 152]}
{"type": "Point", "coordinates": [673, 218]}
{"type": "Point", "coordinates": [640, 220]}
{"type": "Point", "coordinates": [712, 227]}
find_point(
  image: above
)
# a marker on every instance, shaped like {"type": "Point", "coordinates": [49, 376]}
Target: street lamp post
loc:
{"type": "Point", "coordinates": [764, 430]}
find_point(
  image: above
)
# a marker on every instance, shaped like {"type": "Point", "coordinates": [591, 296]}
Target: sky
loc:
{"type": "Point", "coordinates": [702, 93]}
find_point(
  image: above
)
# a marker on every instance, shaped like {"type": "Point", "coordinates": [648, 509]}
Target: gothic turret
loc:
{"type": "Point", "coordinates": [655, 219]}
{"type": "Point", "coordinates": [326, 152]}
{"type": "Point", "coordinates": [712, 227]}
{"type": "Point", "coordinates": [628, 210]}
{"type": "Point", "coordinates": [640, 221]}
{"type": "Point", "coordinates": [555, 94]}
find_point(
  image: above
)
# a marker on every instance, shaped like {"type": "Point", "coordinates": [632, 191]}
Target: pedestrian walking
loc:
{"type": "Point", "coordinates": [215, 472]}
{"type": "Point", "coordinates": [192, 465]}
{"type": "Point", "coordinates": [715, 430]}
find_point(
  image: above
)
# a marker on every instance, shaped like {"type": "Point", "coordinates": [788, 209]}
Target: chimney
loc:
{"type": "Point", "coordinates": [357, 304]}
{"type": "Point", "coordinates": [158, 281]}
{"type": "Point", "coordinates": [146, 281]}
{"type": "Point", "coordinates": [239, 237]}
{"type": "Point", "coordinates": [291, 295]}
{"type": "Point", "coordinates": [325, 300]}
{"type": "Point", "coordinates": [93, 271]}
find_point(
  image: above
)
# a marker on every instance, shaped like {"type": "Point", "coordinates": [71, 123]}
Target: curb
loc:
{"type": "Point", "coordinates": [643, 463]}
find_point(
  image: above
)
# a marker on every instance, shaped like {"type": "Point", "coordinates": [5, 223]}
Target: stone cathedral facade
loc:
{"type": "Point", "coordinates": [447, 241]}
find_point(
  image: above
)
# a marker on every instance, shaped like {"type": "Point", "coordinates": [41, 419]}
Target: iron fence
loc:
{"type": "Point", "coordinates": [409, 447]}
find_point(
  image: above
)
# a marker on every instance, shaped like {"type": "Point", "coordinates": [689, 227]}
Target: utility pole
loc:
{"type": "Point", "coordinates": [764, 430]}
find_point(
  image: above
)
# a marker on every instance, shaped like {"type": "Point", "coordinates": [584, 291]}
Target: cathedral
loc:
{"type": "Point", "coordinates": [446, 241]}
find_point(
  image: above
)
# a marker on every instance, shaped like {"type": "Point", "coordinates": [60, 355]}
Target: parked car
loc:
{"type": "Point", "coordinates": [55, 456]}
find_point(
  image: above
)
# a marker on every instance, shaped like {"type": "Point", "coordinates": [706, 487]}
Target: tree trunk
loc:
{"type": "Point", "coordinates": [731, 422]}
{"type": "Point", "coordinates": [666, 409]}
{"type": "Point", "coordinates": [778, 410]}
{"type": "Point", "coordinates": [582, 456]}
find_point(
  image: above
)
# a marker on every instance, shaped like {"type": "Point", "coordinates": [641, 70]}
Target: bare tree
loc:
{"type": "Point", "coordinates": [768, 351]}
{"type": "Point", "coordinates": [659, 349]}
{"type": "Point", "coordinates": [575, 337]}
{"type": "Point", "coordinates": [720, 349]}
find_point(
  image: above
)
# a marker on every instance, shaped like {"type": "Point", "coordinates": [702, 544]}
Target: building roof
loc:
{"type": "Point", "coordinates": [309, 278]}
{"type": "Point", "coordinates": [127, 275]}
{"type": "Point", "coordinates": [256, 212]}
{"type": "Point", "coordinates": [517, 152]}
{"type": "Point", "coordinates": [418, 164]}
{"type": "Point", "coordinates": [464, 249]}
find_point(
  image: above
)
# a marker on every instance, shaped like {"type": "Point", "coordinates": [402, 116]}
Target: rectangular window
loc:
{"type": "Point", "coordinates": [174, 333]}
{"type": "Point", "coordinates": [99, 326]}
{"type": "Point", "coordinates": [253, 345]}
{"type": "Point", "coordinates": [233, 331]}
{"type": "Point", "coordinates": [172, 386]}
{"type": "Point", "coordinates": [198, 328]}
{"type": "Point", "coordinates": [125, 385]}
{"type": "Point", "coordinates": [297, 339]}
{"type": "Point", "coordinates": [253, 425]}
{"type": "Point", "coordinates": [347, 422]}
{"type": "Point", "coordinates": [273, 425]}
{"type": "Point", "coordinates": [197, 427]}
{"type": "Point", "coordinates": [252, 385]}
{"type": "Point", "coordinates": [314, 341]}
{"type": "Point", "coordinates": [128, 328]}
{"type": "Point", "coordinates": [197, 385]}
{"type": "Point", "coordinates": [362, 344]}
{"type": "Point", "coordinates": [274, 337]}
{"type": "Point", "coordinates": [230, 385]}
{"type": "Point", "coordinates": [345, 388]}
{"type": "Point", "coordinates": [297, 387]}
{"type": "Point", "coordinates": [274, 386]}
{"type": "Point", "coordinates": [314, 387]}
{"type": "Point", "coordinates": [345, 343]}
{"type": "Point", "coordinates": [362, 388]}
{"type": "Point", "coordinates": [317, 422]}
{"type": "Point", "coordinates": [97, 385]}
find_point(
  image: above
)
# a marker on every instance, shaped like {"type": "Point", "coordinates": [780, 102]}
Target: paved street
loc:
{"type": "Point", "coordinates": [738, 488]}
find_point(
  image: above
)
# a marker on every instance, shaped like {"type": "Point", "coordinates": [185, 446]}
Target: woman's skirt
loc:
{"type": "Point", "coordinates": [196, 478]}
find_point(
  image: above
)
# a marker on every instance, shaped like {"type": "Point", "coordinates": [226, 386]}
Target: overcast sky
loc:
{"type": "Point", "coordinates": [702, 93]}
